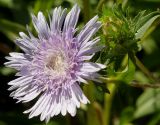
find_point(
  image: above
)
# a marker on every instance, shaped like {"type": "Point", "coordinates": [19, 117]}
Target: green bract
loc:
{"type": "Point", "coordinates": [123, 32]}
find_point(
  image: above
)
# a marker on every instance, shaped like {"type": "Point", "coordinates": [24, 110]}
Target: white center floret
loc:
{"type": "Point", "coordinates": [56, 64]}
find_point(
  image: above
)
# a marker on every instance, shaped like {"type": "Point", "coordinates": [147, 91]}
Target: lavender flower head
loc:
{"type": "Point", "coordinates": [54, 65]}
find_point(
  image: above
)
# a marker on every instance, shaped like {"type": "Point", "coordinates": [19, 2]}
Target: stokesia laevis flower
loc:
{"type": "Point", "coordinates": [54, 64]}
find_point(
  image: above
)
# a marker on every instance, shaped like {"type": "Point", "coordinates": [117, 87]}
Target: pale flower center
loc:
{"type": "Point", "coordinates": [56, 64]}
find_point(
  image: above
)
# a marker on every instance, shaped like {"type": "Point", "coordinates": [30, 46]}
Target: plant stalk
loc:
{"type": "Point", "coordinates": [140, 65]}
{"type": "Point", "coordinates": [108, 103]}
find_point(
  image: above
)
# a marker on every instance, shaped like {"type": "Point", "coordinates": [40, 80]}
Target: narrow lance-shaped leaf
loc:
{"type": "Point", "coordinates": [145, 18]}
{"type": "Point", "coordinates": [148, 21]}
{"type": "Point", "coordinates": [127, 75]}
{"type": "Point", "coordinates": [10, 29]}
{"type": "Point", "coordinates": [148, 103]}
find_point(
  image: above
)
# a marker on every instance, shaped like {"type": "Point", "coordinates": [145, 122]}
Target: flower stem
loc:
{"type": "Point", "coordinates": [92, 118]}
{"type": "Point", "coordinates": [145, 85]}
{"type": "Point", "coordinates": [108, 103]}
{"type": "Point", "coordinates": [140, 65]}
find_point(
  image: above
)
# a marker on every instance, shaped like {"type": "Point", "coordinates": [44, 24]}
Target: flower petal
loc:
{"type": "Point", "coordinates": [92, 67]}
{"type": "Point", "coordinates": [58, 17]}
{"type": "Point", "coordinates": [90, 28]}
{"type": "Point", "coordinates": [41, 26]}
{"type": "Point", "coordinates": [71, 19]}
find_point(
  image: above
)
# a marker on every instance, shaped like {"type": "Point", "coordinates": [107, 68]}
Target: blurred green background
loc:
{"type": "Point", "coordinates": [125, 105]}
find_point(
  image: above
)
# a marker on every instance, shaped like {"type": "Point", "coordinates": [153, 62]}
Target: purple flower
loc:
{"type": "Point", "coordinates": [54, 64]}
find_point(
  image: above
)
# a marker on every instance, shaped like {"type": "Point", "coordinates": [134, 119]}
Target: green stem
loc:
{"type": "Point", "coordinates": [109, 80]}
{"type": "Point", "coordinates": [91, 116]}
{"type": "Point", "coordinates": [108, 103]}
{"type": "Point", "coordinates": [145, 85]}
{"type": "Point", "coordinates": [140, 65]}
{"type": "Point", "coordinates": [132, 83]}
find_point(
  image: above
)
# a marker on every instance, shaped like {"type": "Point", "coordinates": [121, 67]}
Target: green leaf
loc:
{"type": "Point", "coordinates": [137, 19]}
{"type": "Point", "coordinates": [147, 103]}
{"type": "Point", "coordinates": [140, 76]}
{"type": "Point", "coordinates": [128, 73]}
{"type": "Point", "coordinates": [6, 71]}
{"type": "Point", "coordinates": [7, 3]}
{"type": "Point", "coordinates": [102, 87]}
{"type": "Point", "coordinates": [145, 24]}
{"type": "Point", "coordinates": [120, 13]}
{"type": "Point", "coordinates": [43, 5]}
{"type": "Point", "coordinates": [143, 19]}
{"type": "Point", "coordinates": [79, 2]}
{"type": "Point", "coordinates": [126, 116]}
{"type": "Point", "coordinates": [150, 45]}
{"type": "Point", "coordinates": [11, 29]}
